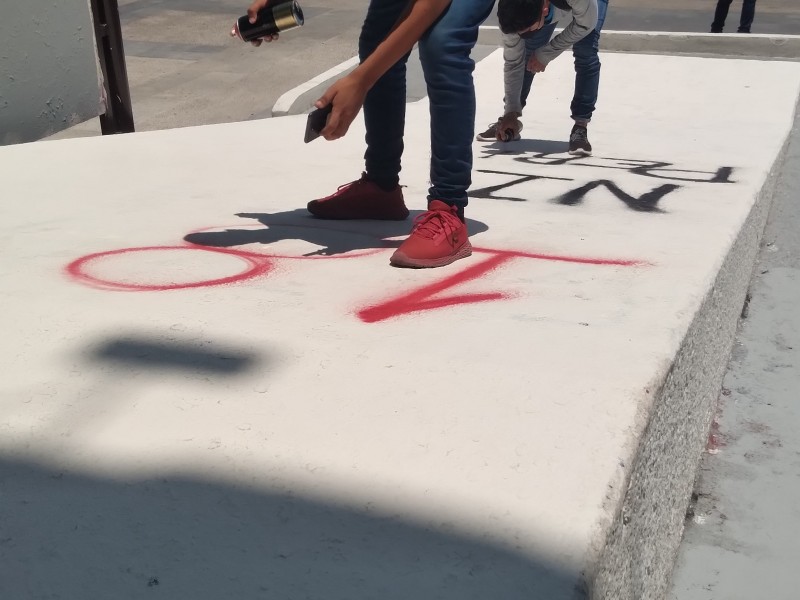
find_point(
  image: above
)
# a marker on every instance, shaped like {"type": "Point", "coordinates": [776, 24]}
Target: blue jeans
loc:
{"type": "Point", "coordinates": [445, 55]}
{"type": "Point", "coordinates": [587, 66]}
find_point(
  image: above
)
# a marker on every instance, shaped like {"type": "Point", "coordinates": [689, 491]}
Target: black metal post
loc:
{"type": "Point", "coordinates": [118, 117]}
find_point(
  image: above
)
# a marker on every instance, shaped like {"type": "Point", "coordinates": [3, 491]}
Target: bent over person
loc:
{"type": "Point", "coordinates": [528, 27]}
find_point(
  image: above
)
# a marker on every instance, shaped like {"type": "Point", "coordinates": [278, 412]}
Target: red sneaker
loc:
{"type": "Point", "coordinates": [438, 238]}
{"type": "Point", "coordinates": [361, 199]}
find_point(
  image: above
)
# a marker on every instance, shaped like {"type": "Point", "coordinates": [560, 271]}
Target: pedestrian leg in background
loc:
{"type": "Point", "coordinates": [720, 15]}
{"type": "Point", "coordinates": [587, 84]}
{"type": "Point", "coordinates": [748, 14]}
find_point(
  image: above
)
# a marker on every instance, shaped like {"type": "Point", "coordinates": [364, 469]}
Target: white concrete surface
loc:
{"type": "Point", "coordinates": [288, 435]}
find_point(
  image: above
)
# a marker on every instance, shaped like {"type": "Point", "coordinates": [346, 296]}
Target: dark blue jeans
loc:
{"type": "Point", "coordinates": [746, 21]}
{"type": "Point", "coordinates": [445, 55]}
{"type": "Point", "coordinates": [587, 66]}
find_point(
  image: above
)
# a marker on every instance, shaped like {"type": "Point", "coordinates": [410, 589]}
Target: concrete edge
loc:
{"type": "Point", "coordinates": [289, 100]}
{"type": "Point", "coordinates": [634, 551]}
{"type": "Point", "coordinates": [727, 45]}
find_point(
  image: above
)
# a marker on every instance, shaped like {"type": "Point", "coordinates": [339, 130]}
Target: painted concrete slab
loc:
{"type": "Point", "coordinates": [278, 413]}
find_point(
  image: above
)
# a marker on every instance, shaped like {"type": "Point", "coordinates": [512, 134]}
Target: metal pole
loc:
{"type": "Point", "coordinates": [118, 117]}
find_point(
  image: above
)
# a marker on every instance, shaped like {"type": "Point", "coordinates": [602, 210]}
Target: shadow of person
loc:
{"type": "Point", "coordinates": [332, 237]}
{"type": "Point", "coordinates": [527, 146]}
{"type": "Point", "coordinates": [81, 535]}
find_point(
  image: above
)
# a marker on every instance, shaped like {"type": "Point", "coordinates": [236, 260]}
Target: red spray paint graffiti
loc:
{"type": "Point", "coordinates": [425, 298]}
{"type": "Point", "coordinates": [429, 297]}
{"type": "Point", "coordinates": [81, 269]}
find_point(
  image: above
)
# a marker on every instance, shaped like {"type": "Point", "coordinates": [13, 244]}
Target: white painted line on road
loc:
{"type": "Point", "coordinates": [285, 102]}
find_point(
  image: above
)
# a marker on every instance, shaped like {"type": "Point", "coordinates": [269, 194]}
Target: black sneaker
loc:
{"type": "Point", "coordinates": [579, 141]}
{"type": "Point", "coordinates": [490, 135]}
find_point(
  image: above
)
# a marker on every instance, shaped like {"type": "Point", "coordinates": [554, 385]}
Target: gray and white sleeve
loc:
{"type": "Point", "coordinates": [584, 20]}
{"type": "Point", "coordinates": [513, 71]}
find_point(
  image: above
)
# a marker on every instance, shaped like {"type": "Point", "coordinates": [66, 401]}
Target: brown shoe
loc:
{"type": "Point", "coordinates": [361, 199]}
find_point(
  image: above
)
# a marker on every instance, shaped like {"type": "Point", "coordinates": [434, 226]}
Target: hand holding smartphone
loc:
{"type": "Point", "coordinates": [316, 122]}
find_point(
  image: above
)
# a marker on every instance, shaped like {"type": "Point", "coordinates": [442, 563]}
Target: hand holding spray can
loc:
{"type": "Point", "coordinates": [271, 20]}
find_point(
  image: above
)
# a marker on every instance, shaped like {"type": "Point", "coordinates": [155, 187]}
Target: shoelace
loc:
{"type": "Point", "coordinates": [433, 223]}
{"type": "Point", "coordinates": [343, 187]}
{"type": "Point", "coordinates": [496, 123]}
{"type": "Point", "coordinates": [493, 126]}
{"type": "Point", "coordinates": [579, 135]}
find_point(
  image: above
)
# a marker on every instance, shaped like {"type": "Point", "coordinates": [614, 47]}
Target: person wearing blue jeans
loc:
{"type": "Point", "coordinates": [530, 49]}
{"type": "Point", "coordinates": [745, 21]}
{"type": "Point", "coordinates": [446, 31]}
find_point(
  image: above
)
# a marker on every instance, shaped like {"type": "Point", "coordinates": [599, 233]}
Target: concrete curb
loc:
{"type": "Point", "coordinates": [719, 44]}
{"type": "Point", "coordinates": [636, 554]}
{"type": "Point", "coordinates": [289, 100]}
{"type": "Point", "coordinates": [729, 45]}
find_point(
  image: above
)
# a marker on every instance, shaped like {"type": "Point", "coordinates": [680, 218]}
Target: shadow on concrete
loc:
{"type": "Point", "coordinates": [131, 352]}
{"type": "Point", "coordinates": [333, 237]}
{"type": "Point", "coordinates": [525, 146]}
{"type": "Point", "coordinates": [73, 535]}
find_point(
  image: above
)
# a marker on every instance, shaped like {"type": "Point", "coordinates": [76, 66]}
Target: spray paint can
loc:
{"type": "Point", "coordinates": [271, 20]}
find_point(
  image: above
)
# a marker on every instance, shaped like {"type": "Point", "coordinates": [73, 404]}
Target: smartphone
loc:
{"type": "Point", "coordinates": [316, 122]}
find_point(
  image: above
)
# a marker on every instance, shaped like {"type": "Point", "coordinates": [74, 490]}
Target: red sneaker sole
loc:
{"type": "Point", "coordinates": [401, 260]}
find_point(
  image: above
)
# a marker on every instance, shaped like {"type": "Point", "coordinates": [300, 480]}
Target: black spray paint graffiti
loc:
{"type": "Point", "coordinates": [647, 202]}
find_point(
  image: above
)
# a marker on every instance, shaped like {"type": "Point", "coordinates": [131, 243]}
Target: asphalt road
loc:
{"type": "Point", "coordinates": [184, 69]}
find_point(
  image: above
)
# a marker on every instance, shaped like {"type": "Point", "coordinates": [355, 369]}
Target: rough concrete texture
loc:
{"type": "Point", "coordinates": [741, 539]}
{"type": "Point", "coordinates": [277, 412]}
{"type": "Point", "coordinates": [48, 69]}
